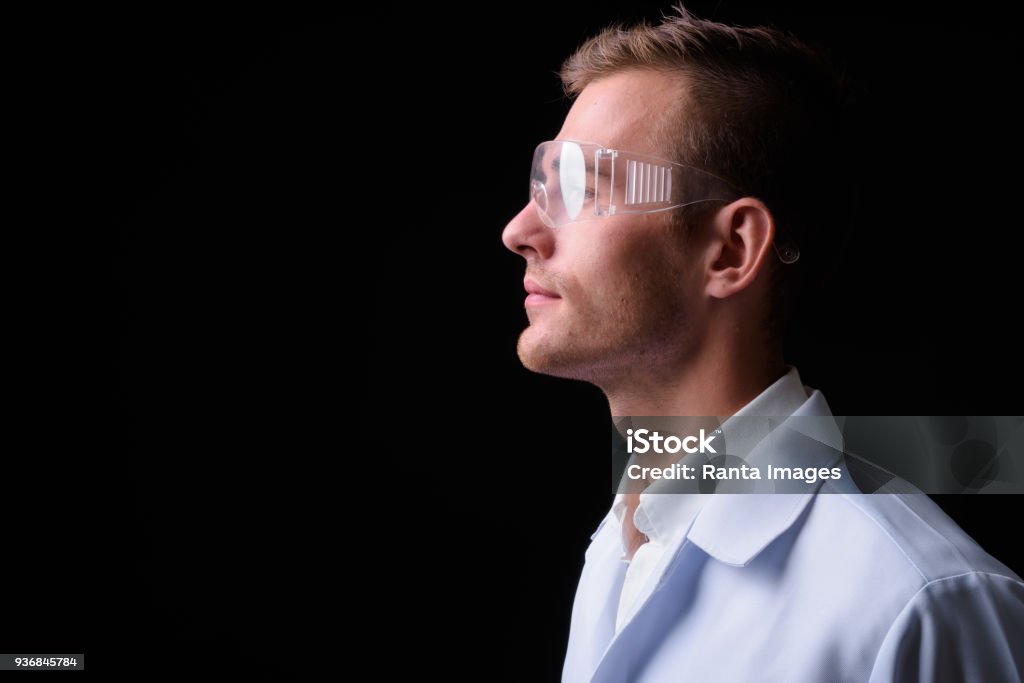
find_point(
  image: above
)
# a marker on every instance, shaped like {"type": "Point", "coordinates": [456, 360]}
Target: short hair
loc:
{"type": "Point", "coordinates": [763, 110]}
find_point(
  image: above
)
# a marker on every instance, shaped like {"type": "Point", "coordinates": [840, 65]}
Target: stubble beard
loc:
{"type": "Point", "coordinates": [608, 344]}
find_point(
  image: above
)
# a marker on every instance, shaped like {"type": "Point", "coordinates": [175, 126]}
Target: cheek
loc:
{"type": "Point", "coordinates": [610, 264]}
{"type": "Point", "coordinates": [602, 276]}
{"type": "Point", "coordinates": [637, 269]}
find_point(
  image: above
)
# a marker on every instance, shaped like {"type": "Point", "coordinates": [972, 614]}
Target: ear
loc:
{"type": "Point", "coordinates": [740, 242]}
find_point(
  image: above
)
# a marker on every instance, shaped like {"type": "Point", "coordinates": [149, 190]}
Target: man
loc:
{"type": "Point", "coordinates": [670, 223]}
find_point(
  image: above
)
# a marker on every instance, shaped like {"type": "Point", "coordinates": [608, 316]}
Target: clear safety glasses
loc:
{"type": "Point", "coordinates": [572, 181]}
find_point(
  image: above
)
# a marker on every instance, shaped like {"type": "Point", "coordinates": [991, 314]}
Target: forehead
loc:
{"type": "Point", "coordinates": [625, 110]}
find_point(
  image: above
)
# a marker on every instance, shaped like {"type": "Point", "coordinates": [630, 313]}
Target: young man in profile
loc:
{"type": "Point", "coordinates": [692, 182]}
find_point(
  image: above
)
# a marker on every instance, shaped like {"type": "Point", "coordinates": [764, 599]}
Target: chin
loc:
{"type": "Point", "coordinates": [548, 356]}
{"type": "Point", "coordinates": [529, 355]}
{"type": "Point", "coordinates": [534, 350]}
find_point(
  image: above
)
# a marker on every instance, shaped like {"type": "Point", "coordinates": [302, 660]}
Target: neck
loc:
{"type": "Point", "coordinates": [717, 381]}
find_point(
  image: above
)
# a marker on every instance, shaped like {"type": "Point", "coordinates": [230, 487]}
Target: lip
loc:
{"type": "Point", "coordinates": [537, 294]}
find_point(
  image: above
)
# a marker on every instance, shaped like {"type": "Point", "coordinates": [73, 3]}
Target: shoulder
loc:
{"type": "Point", "coordinates": [907, 531]}
{"type": "Point", "coordinates": [937, 605]}
{"type": "Point", "coordinates": [968, 627]}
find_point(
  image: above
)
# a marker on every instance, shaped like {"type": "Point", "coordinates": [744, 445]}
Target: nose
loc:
{"type": "Point", "coordinates": [527, 235]}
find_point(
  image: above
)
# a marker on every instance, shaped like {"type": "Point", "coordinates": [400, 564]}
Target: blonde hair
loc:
{"type": "Point", "coordinates": [758, 107]}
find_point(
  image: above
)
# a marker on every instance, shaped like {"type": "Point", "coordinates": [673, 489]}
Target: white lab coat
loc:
{"type": "Point", "coordinates": [812, 586]}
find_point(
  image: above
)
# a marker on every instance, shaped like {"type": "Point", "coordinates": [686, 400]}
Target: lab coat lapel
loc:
{"type": "Point", "coordinates": [593, 619]}
{"type": "Point", "coordinates": [632, 647]}
{"type": "Point", "coordinates": [730, 528]}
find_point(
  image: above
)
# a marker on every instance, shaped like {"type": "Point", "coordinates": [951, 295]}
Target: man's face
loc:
{"type": "Point", "coordinates": [625, 290]}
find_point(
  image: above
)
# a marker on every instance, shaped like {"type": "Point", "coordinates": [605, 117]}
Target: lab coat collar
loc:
{"type": "Point", "coordinates": [731, 528]}
{"type": "Point", "coordinates": [661, 516]}
{"type": "Point", "coordinates": [735, 528]}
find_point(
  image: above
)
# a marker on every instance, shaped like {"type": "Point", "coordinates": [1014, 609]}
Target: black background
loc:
{"type": "Point", "coordinates": [310, 213]}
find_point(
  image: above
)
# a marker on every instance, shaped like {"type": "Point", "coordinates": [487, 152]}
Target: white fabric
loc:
{"type": "Point", "coordinates": [827, 584]}
{"type": "Point", "coordinates": [665, 517]}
